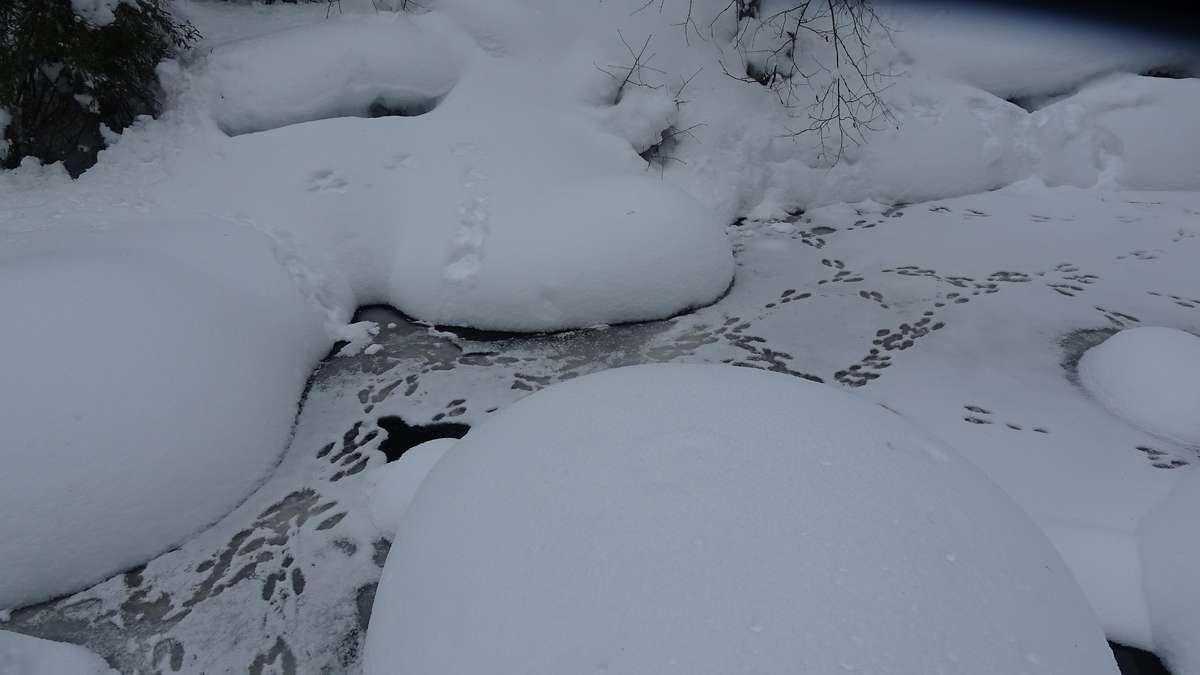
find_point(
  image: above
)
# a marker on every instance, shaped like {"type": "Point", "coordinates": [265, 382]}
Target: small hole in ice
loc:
{"type": "Point", "coordinates": [401, 435]}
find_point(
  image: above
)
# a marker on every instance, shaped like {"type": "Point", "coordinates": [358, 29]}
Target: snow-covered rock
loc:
{"type": "Point", "coordinates": [25, 655]}
{"type": "Point", "coordinates": [392, 487]}
{"type": "Point", "coordinates": [333, 69]}
{"type": "Point", "coordinates": [1147, 376]}
{"type": "Point", "coordinates": [150, 380]}
{"type": "Point", "coordinates": [699, 519]}
{"type": "Point", "coordinates": [1170, 547]}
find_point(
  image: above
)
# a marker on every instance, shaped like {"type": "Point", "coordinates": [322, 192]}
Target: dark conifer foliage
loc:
{"type": "Point", "coordinates": [62, 76]}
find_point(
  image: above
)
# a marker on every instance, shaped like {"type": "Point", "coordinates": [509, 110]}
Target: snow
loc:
{"type": "Point", "coordinates": [1170, 546]}
{"type": "Point", "coordinates": [150, 388]}
{"type": "Point", "coordinates": [277, 79]}
{"type": "Point", "coordinates": [1142, 376]}
{"type": "Point", "coordinates": [392, 487]}
{"type": "Point", "coordinates": [224, 246]}
{"type": "Point", "coordinates": [1108, 566]}
{"type": "Point", "coordinates": [25, 655]}
{"type": "Point", "coordinates": [1019, 54]}
{"type": "Point", "coordinates": [702, 519]}
{"type": "Point", "coordinates": [98, 12]}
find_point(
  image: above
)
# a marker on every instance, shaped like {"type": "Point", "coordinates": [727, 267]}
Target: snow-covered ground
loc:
{"type": "Point", "coordinates": [172, 301]}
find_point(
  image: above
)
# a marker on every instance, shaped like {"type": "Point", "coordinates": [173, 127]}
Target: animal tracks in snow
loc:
{"type": "Point", "coordinates": [979, 415]}
{"type": "Point", "coordinates": [323, 180]}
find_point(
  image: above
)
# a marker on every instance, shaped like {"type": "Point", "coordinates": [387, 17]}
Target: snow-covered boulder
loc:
{"type": "Point", "coordinates": [25, 655]}
{"type": "Point", "coordinates": [392, 487]}
{"type": "Point", "coordinates": [332, 69]}
{"type": "Point", "coordinates": [150, 379]}
{"type": "Point", "coordinates": [699, 519]}
{"type": "Point", "coordinates": [1131, 131]}
{"type": "Point", "coordinates": [1170, 547]}
{"type": "Point", "coordinates": [1147, 376]}
{"type": "Point", "coordinates": [535, 219]}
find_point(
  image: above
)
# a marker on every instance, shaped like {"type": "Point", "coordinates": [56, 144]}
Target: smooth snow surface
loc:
{"type": "Point", "coordinates": [149, 388]}
{"type": "Point", "coordinates": [1170, 545]}
{"type": "Point", "coordinates": [387, 61]}
{"type": "Point", "coordinates": [1148, 377]}
{"type": "Point", "coordinates": [699, 519]}
{"type": "Point", "coordinates": [392, 487]}
{"type": "Point", "coordinates": [25, 655]}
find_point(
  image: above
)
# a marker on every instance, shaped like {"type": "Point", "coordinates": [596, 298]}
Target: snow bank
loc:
{"type": "Point", "coordinates": [25, 655]}
{"type": "Point", "coordinates": [151, 375]}
{"type": "Point", "coordinates": [505, 208]}
{"type": "Point", "coordinates": [1146, 376]}
{"type": "Point", "coordinates": [1170, 546]}
{"type": "Point", "coordinates": [1142, 130]}
{"type": "Point", "coordinates": [1019, 53]}
{"type": "Point", "coordinates": [699, 519]}
{"type": "Point", "coordinates": [337, 68]}
{"type": "Point", "coordinates": [392, 487]}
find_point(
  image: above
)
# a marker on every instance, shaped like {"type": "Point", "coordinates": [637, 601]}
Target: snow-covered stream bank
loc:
{"type": "Point", "coordinates": [966, 328]}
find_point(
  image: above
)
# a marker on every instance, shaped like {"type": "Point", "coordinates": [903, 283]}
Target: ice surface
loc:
{"type": "Point", "coordinates": [701, 519]}
{"type": "Point", "coordinates": [1145, 376]}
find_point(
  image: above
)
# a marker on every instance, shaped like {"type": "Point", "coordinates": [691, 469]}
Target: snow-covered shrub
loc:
{"type": "Point", "coordinates": [67, 68]}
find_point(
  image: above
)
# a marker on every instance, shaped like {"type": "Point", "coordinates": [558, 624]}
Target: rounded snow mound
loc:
{"type": "Point", "coordinates": [150, 380]}
{"type": "Point", "coordinates": [613, 250]}
{"type": "Point", "coordinates": [698, 519]}
{"type": "Point", "coordinates": [1169, 543]}
{"type": "Point", "coordinates": [26, 655]}
{"type": "Point", "coordinates": [1142, 376]}
{"type": "Point", "coordinates": [340, 67]}
{"type": "Point", "coordinates": [391, 488]}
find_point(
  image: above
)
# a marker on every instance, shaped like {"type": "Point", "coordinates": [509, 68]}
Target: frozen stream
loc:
{"type": "Point", "coordinates": [984, 320]}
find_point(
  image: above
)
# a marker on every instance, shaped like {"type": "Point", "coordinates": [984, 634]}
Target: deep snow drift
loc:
{"type": "Point", "coordinates": [1145, 376]}
{"type": "Point", "coordinates": [700, 519]}
{"type": "Point", "coordinates": [150, 387]}
{"type": "Point", "coordinates": [24, 655]}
